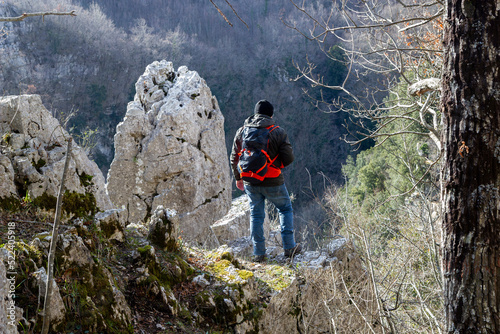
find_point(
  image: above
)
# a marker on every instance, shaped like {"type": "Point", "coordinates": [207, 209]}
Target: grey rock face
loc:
{"type": "Point", "coordinates": [170, 151]}
{"type": "Point", "coordinates": [236, 223]}
{"type": "Point", "coordinates": [57, 309]}
{"type": "Point", "coordinates": [162, 228]}
{"type": "Point", "coordinates": [112, 223]}
{"type": "Point", "coordinates": [33, 151]}
{"type": "Point", "coordinates": [76, 258]}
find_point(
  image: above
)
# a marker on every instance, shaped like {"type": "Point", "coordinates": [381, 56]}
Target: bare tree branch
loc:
{"type": "Point", "coordinates": [225, 17]}
{"type": "Point", "coordinates": [221, 13]}
{"type": "Point", "coordinates": [236, 13]}
{"type": "Point", "coordinates": [42, 14]}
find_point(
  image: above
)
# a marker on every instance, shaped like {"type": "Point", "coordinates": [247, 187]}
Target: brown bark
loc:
{"type": "Point", "coordinates": [471, 180]}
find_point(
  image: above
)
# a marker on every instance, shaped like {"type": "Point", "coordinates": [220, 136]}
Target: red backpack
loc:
{"type": "Point", "coordinates": [255, 164]}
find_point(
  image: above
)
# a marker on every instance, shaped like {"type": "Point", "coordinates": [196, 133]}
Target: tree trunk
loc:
{"type": "Point", "coordinates": [471, 180]}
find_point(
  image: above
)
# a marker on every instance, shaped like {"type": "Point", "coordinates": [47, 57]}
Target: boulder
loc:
{"type": "Point", "coordinates": [236, 223]}
{"type": "Point", "coordinates": [162, 231]}
{"type": "Point", "coordinates": [170, 151]}
{"type": "Point", "coordinates": [32, 156]}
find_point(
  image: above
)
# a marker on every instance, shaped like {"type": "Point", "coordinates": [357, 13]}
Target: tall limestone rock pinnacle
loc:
{"type": "Point", "coordinates": [170, 151]}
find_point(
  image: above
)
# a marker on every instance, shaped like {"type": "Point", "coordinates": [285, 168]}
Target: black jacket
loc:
{"type": "Point", "coordinates": [279, 145]}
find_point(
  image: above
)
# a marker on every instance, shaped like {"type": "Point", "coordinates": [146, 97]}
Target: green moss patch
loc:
{"type": "Point", "coordinates": [10, 204]}
{"type": "Point", "coordinates": [85, 179]}
{"type": "Point", "coordinates": [81, 205]}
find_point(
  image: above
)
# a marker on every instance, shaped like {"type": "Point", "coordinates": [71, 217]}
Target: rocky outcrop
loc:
{"type": "Point", "coordinates": [102, 302]}
{"type": "Point", "coordinates": [32, 155]}
{"type": "Point", "coordinates": [162, 230]}
{"type": "Point", "coordinates": [170, 151]}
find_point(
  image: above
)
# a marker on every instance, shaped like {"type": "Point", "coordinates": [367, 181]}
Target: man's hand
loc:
{"type": "Point", "coordinates": [240, 185]}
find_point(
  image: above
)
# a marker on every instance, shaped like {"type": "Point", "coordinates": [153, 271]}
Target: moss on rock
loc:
{"type": "Point", "coordinates": [10, 204]}
{"type": "Point", "coordinates": [80, 205]}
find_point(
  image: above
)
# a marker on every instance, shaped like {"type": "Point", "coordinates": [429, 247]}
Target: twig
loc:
{"type": "Point", "coordinates": [356, 305]}
{"type": "Point", "coordinates": [235, 13]}
{"type": "Point", "coordinates": [221, 13]}
{"type": "Point", "coordinates": [53, 242]}
{"type": "Point", "coordinates": [372, 276]}
{"type": "Point", "coordinates": [15, 114]}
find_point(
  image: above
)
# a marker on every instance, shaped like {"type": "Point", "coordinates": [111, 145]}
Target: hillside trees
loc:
{"type": "Point", "coordinates": [85, 64]}
{"type": "Point", "coordinates": [240, 65]}
{"type": "Point", "coordinates": [393, 57]}
{"type": "Point", "coordinates": [471, 224]}
{"type": "Point", "coordinates": [398, 235]}
{"type": "Point", "coordinates": [389, 205]}
{"type": "Point", "coordinates": [469, 105]}
{"type": "Point", "coordinates": [385, 42]}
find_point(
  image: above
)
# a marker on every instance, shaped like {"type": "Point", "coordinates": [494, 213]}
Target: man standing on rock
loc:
{"type": "Point", "coordinates": [264, 182]}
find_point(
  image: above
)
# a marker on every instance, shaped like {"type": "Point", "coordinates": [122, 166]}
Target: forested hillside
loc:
{"type": "Point", "coordinates": [88, 64]}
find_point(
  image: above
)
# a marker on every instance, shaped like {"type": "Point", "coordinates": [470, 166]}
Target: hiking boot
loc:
{"type": "Point", "coordinates": [259, 258]}
{"type": "Point", "coordinates": [291, 252]}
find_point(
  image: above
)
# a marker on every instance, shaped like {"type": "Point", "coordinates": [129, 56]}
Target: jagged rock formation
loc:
{"type": "Point", "coordinates": [170, 151]}
{"type": "Point", "coordinates": [32, 154]}
{"type": "Point", "coordinates": [162, 229]}
{"type": "Point", "coordinates": [57, 308]}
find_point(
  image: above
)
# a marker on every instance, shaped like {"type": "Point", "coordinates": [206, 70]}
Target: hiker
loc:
{"type": "Point", "coordinates": [264, 182]}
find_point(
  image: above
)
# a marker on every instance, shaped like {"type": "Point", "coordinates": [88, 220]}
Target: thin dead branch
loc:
{"type": "Point", "coordinates": [42, 14]}
{"type": "Point", "coordinates": [53, 243]}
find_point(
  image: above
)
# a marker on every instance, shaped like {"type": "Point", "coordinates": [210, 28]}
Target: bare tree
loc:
{"type": "Point", "coordinates": [471, 226]}
{"type": "Point", "coordinates": [392, 50]}
{"type": "Point", "coordinates": [387, 44]}
{"type": "Point", "coordinates": [399, 42]}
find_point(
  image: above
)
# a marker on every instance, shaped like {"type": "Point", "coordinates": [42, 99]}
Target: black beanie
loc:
{"type": "Point", "coordinates": [263, 107]}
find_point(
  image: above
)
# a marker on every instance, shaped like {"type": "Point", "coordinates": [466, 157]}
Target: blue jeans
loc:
{"type": "Point", "coordinates": [280, 198]}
